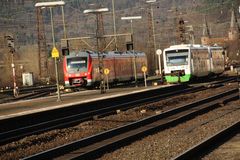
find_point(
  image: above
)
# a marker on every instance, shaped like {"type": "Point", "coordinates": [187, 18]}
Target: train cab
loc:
{"type": "Point", "coordinates": [176, 64]}
{"type": "Point", "coordinates": [183, 62]}
{"type": "Point", "coordinates": [76, 68]}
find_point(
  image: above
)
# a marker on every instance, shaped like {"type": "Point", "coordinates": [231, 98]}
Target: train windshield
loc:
{"type": "Point", "coordinates": [177, 57]}
{"type": "Point", "coordinates": [79, 63]}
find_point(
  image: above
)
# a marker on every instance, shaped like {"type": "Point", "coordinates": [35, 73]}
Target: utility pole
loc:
{"type": "Point", "coordinates": [206, 32]}
{"type": "Point", "coordinates": [233, 31]}
{"type": "Point", "coordinates": [180, 25]}
{"type": "Point", "coordinates": [181, 31]}
{"type": "Point", "coordinates": [234, 16]}
{"type": "Point", "coordinates": [63, 20]}
{"type": "Point", "coordinates": [152, 39]}
{"type": "Point", "coordinates": [100, 42]}
{"type": "Point", "coordinates": [191, 34]}
{"type": "Point", "coordinates": [114, 25]}
{"type": "Point", "coordinates": [175, 21]}
{"type": "Point", "coordinates": [100, 32]}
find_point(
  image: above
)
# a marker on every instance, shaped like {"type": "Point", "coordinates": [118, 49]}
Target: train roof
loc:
{"type": "Point", "coordinates": [107, 53]}
{"type": "Point", "coordinates": [187, 46]}
{"type": "Point", "coordinates": [192, 46]}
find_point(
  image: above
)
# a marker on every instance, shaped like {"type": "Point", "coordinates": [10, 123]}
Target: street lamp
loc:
{"type": "Point", "coordinates": [153, 29]}
{"type": "Point", "coordinates": [50, 5]}
{"type": "Point", "coordinates": [63, 19]}
{"type": "Point", "coordinates": [114, 25]}
{"type": "Point", "coordinates": [97, 12]}
{"type": "Point", "coordinates": [131, 20]}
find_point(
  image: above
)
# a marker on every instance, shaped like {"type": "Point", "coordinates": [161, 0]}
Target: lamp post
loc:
{"type": "Point", "coordinates": [153, 29]}
{"type": "Point", "coordinates": [63, 19]}
{"type": "Point", "coordinates": [134, 65]}
{"type": "Point", "coordinates": [97, 12]}
{"type": "Point", "coordinates": [50, 5]}
{"type": "Point", "coordinates": [114, 25]}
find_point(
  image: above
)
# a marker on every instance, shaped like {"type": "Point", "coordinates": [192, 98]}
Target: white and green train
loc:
{"type": "Point", "coordinates": [184, 62]}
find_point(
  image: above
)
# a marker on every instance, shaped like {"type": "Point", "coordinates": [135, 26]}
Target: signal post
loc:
{"type": "Point", "coordinates": [10, 44]}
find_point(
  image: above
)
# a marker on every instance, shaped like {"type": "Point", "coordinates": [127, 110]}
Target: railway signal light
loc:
{"type": "Point", "coordinates": [10, 43]}
{"type": "Point", "coordinates": [65, 51]}
{"type": "Point", "coordinates": [65, 47]}
{"type": "Point", "coordinates": [129, 46]}
{"type": "Point", "coordinates": [129, 43]}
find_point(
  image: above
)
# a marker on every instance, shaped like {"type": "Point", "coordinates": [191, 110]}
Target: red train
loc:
{"type": "Point", "coordinates": [82, 68]}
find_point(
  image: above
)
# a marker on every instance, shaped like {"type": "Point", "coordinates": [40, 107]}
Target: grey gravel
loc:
{"type": "Point", "coordinates": [167, 139]}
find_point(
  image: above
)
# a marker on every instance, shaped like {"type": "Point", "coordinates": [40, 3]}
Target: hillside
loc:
{"type": "Point", "coordinates": [18, 17]}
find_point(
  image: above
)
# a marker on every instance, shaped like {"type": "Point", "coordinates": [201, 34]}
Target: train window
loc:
{"type": "Point", "coordinates": [179, 57]}
{"type": "Point", "coordinates": [79, 63]}
{"type": "Point", "coordinates": [177, 60]}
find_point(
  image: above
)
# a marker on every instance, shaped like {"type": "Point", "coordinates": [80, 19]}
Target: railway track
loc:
{"type": "Point", "coordinates": [28, 93]}
{"type": "Point", "coordinates": [25, 90]}
{"type": "Point", "coordinates": [210, 143]}
{"type": "Point", "coordinates": [42, 122]}
{"type": "Point", "coordinates": [95, 146]}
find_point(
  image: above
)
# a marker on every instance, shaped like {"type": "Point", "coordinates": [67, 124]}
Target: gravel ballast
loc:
{"type": "Point", "coordinates": [171, 142]}
{"type": "Point", "coordinates": [36, 143]}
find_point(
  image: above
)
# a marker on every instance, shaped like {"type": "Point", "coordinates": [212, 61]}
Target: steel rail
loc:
{"type": "Point", "coordinates": [29, 89]}
{"type": "Point", "coordinates": [10, 135]}
{"type": "Point", "coordinates": [210, 143]}
{"type": "Point", "coordinates": [30, 93]}
{"type": "Point", "coordinates": [35, 94]}
{"type": "Point", "coordinates": [13, 134]}
{"type": "Point", "coordinates": [96, 145]}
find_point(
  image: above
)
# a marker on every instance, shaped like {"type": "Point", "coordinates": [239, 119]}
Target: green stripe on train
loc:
{"type": "Point", "coordinates": [174, 79]}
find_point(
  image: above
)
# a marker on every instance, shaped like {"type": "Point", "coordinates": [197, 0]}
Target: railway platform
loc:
{"type": "Point", "coordinates": [24, 107]}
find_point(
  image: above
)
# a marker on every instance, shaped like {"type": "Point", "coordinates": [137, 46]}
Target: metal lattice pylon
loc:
{"type": "Point", "coordinates": [100, 32]}
{"type": "Point", "coordinates": [181, 31]}
{"type": "Point", "coordinates": [101, 43]}
{"type": "Point", "coordinates": [151, 47]}
{"type": "Point", "coordinates": [234, 19]}
{"type": "Point", "coordinates": [206, 31]}
{"type": "Point", "coordinates": [42, 49]}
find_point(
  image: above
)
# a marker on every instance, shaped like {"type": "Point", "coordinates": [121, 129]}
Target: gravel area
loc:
{"type": "Point", "coordinates": [169, 143]}
{"type": "Point", "coordinates": [36, 143]}
{"type": "Point", "coordinates": [227, 151]}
